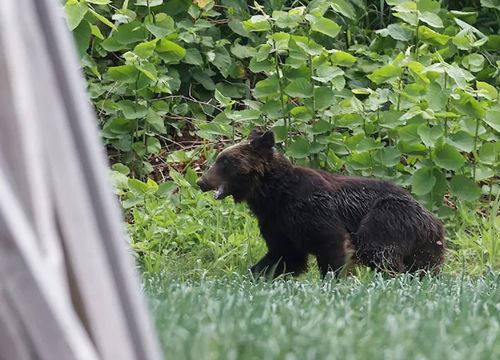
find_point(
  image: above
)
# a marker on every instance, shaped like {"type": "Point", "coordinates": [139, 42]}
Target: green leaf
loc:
{"type": "Point", "coordinates": [461, 76]}
{"type": "Point", "coordinates": [492, 4]}
{"type": "Point", "coordinates": [75, 11]}
{"type": "Point", "coordinates": [389, 156]}
{"type": "Point", "coordinates": [385, 73]}
{"type": "Point", "coordinates": [243, 52]}
{"type": "Point", "coordinates": [193, 57]}
{"type": "Point", "coordinates": [125, 73]}
{"type": "Point", "coordinates": [99, 2]}
{"type": "Point", "coordinates": [436, 97]}
{"type": "Point", "coordinates": [172, 51]}
{"type": "Point", "coordinates": [321, 127]}
{"type": "Point", "coordinates": [122, 169]}
{"type": "Point", "coordinates": [368, 144]}
{"type": "Point", "coordinates": [391, 119]}
{"type": "Point", "coordinates": [325, 26]}
{"type": "Point", "coordinates": [306, 45]}
{"type": "Point", "coordinates": [326, 73]}
{"type": "Point", "coordinates": [223, 100]}
{"type": "Point", "coordinates": [137, 187]}
{"type": "Point", "coordinates": [301, 88]}
{"type": "Point", "coordinates": [343, 7]}
{"type": "Point", "coordinates": [96, 32]}
{"type": "Point", "coordinates": [422, 181]}
{"type": "Point", "coordinates": [257, 23]}
{"type": "Point", "coordinates": [203, 78]}
{"type": "Point", "coordinates": [431, 19]}
{"type": "Point", "coordinates": [488, 153]}
{"type": "Point", "coordinates": [430, 36]}
{"type": "Point", "coordinates": [469, 106]}
{"type": "Point", "coordinates": [462, 42]}
{"type": "Point", "coordinates": [222, 60]}
{"type": "Point", "coordinates": [473, 62]}
{"type": "Point", "coordinates": [486, 90]}
{"type": "Point", "coordinates": [360, 160]}
{"type": "Point", "coordinates": [299, 148]}
{"type": "Point", "coordinates": [244, 115]}
{"type": "Point", "coordinates": [464, 188]}
{"type": "Point", "coordinates": [267, 89]}
{"type": "Point", "coordinates": [447, 157]}
{"type": "Point", "coordinates": [130, 33]}
{"type": "Point", "coordinates": [145, 50]}
{"type": "Point", "coordinates": [492, 118]}
{"type": "Point", "coordinates": [162, 26]}
{"type": "Point", "coordinates": [149, 70]}
{"type": "Point", "coordinates": [148, 3]}
{"type": "Point", "coordinates": [398, 31]}
{"type": "Point", "coordinates": [235, 91]}
{"type": "Point", "coordinates": [342, 58]}
{"type": "Point", "coordinates": [430, 135]}
{"type": "Point", "coordinates": [408, 17]}
{"type": "Point", "coordinates": [301, 113]}
{"type": "Point", "coordinates": [323, 97]}
{"type": "Point", "coordinates": [462, 141]}
{"type": "Point", "coordinates": [166, 188]}
{"type": "Point", "coordinates": [110, 44]}
{"type": "Point", "coordinates": [287, 20]}
{"type": "Point", "coordinates": [82, 38]}
{"type": "Point", "coordinates": [153, 145]}
{"type": "Point", "coordinates": [156, 121]}
{"type": "Point", "coordinates": [102, 18]}
{"type": "Point", "coordinates": [131, 110]}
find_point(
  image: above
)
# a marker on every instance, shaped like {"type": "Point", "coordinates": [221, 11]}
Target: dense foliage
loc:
{"type": "Point", "coordinates": [403, 90]}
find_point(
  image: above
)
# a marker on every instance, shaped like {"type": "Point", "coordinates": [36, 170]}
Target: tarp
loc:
{"type": "Point", "coordinates": [68, 285]}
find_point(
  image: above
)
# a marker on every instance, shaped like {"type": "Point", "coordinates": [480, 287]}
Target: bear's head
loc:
{"type": "Point", "coordinates": [238, 168]}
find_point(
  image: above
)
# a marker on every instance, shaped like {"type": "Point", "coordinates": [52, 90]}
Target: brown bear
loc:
{"type": "Point", "coordinates": [305, 211]}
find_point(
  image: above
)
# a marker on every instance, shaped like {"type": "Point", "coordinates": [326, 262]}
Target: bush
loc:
{"type": "Point", "coordinates": [406, 90]}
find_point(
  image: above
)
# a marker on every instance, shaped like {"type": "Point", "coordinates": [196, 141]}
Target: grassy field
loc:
{"type": "Point", "coordinates": [355, 318]}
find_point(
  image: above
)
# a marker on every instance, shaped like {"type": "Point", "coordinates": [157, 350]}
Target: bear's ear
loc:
{"type": "Point", "coordinates": [254, 134]}
{"type": "Point", "coordinates": [263, 141]}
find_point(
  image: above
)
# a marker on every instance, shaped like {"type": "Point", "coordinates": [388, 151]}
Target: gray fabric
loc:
{"type": "Point", "coordinates": [69, 284]}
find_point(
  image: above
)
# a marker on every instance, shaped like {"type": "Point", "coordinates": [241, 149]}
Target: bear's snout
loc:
{"type": "Point", "coordinates": [203, 185]}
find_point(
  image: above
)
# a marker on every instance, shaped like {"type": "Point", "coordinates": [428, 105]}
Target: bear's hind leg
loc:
{"type": "Point", "coordinates": [386, 259]}
{"type": "Point", "coordinates": [384, 237]}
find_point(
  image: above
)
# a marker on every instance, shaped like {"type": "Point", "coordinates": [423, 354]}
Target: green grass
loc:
{"type": "Point", "coordinates": [368, 318]}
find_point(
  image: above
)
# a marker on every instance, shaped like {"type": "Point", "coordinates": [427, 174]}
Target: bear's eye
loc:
{"type": "Point", "coordinates": [224, 161]}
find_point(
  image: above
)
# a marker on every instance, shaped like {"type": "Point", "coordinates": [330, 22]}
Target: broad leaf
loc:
{"type": "Point", "coordinates": [300, 88]}
{"type": "Point", "coordinates": [431, 19]}
{"type": "Point", "coordinates": [299, 148]}
{"type": "Point", "coordinates": [75, 11]}
{"type": "Point", "coordinates": [447, 157]}
{"type": "Point", "coordinates": [464, 188]}
{"type": "Point", "coordinates": [325, 26]}
{"type": "Point", "coordinates": [422, 181]}
{"type": "Point", "coordinates": [343, 7]}
{"type": "Point", "coordinates": [430, 135]}
{"type": "Point", "coordinates": [385, 73]}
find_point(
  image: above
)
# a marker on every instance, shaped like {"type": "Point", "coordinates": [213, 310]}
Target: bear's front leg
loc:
{"type": "Point", "coordinates": [274, 264]}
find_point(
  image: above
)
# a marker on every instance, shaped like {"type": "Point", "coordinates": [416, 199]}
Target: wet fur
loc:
{"type": "Point", "coordinates": [304, 211]}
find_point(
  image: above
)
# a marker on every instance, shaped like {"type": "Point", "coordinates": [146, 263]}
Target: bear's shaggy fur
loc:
{"type": "Point", "coordinates": [304, 211]}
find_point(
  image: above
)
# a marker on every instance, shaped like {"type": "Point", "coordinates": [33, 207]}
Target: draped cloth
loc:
{"type": "Point", "coordinates": [68, 285]}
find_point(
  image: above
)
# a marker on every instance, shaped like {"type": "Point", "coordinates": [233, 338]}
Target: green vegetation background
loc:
{"type": "Point", "coordinates": [406, 91]}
